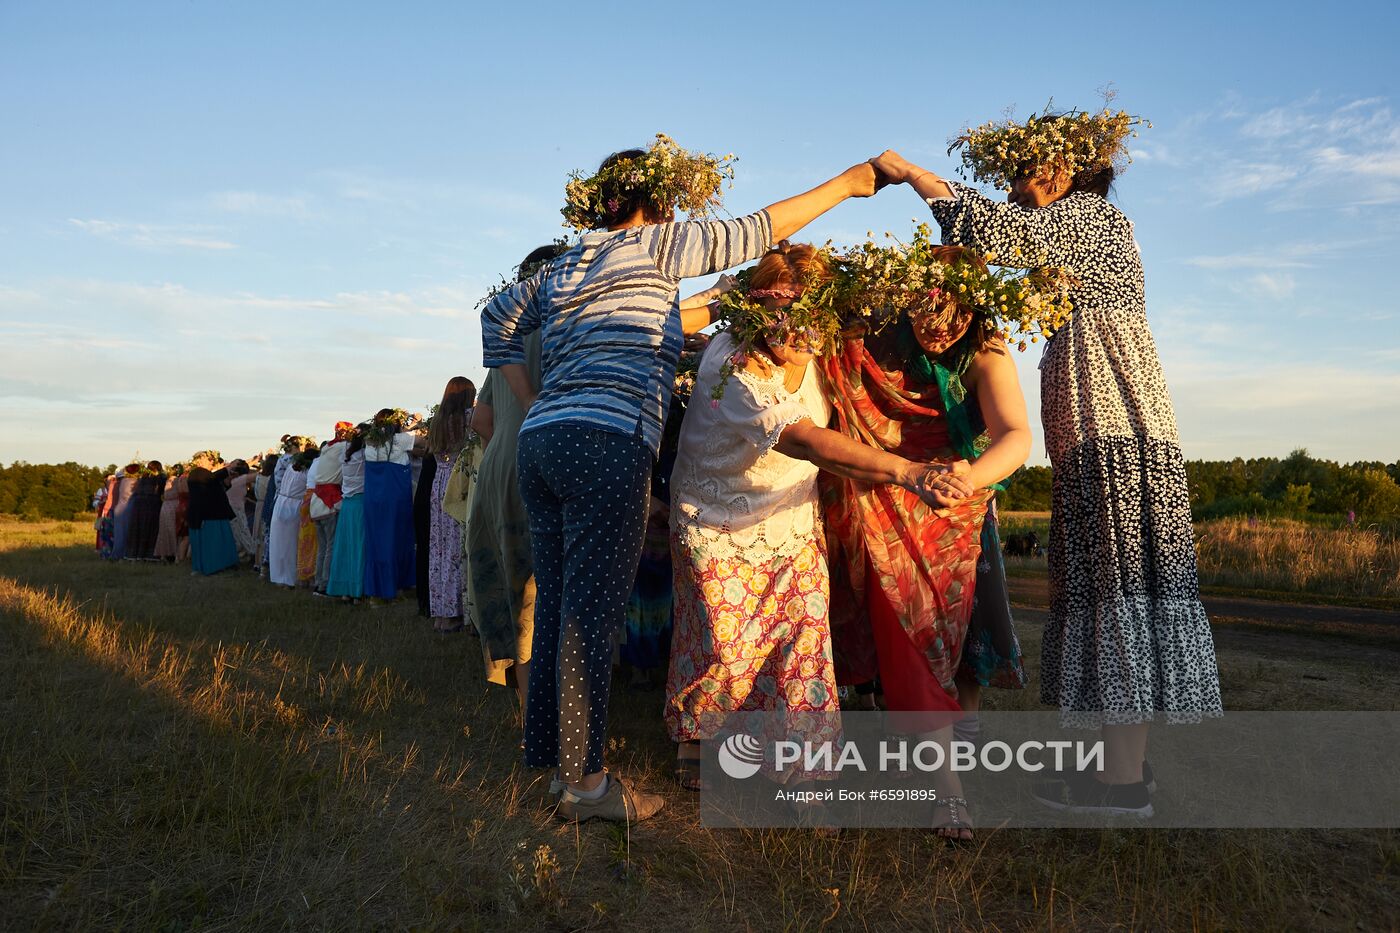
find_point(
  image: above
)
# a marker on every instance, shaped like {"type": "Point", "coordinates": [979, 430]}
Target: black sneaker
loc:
{"type": "Point", "coordinates": [1094, 797]}
{"type": "Point", "coordinates": [1148, 778]}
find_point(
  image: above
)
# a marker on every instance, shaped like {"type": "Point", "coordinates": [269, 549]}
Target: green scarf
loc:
{"type": "Point", "coordinates": [947, 370]}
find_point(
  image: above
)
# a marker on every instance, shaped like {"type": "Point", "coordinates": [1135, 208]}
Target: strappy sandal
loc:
{"type": "Point", "coordinates": [952, 830]}
{"type": "Point", "coordinates": [687, 775]}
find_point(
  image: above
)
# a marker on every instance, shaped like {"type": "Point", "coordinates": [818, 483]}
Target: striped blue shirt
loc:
{"type": "Point", "coordinates": [609, 318]}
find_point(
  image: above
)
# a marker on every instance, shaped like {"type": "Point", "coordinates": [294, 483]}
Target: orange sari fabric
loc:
{"type": "Point", "coordinates": [925, 561]}
{"type": "Point", "coordinates": [306, 542]}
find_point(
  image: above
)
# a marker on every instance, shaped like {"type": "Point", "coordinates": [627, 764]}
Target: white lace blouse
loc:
{"type": "Point", "coordinates": [732, 495]}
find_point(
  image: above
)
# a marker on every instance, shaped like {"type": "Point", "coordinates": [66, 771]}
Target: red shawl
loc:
{"type": "Point", "coordinates": [926, 560]}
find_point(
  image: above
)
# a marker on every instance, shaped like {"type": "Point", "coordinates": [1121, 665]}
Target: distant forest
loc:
{"type": "Point", "coordinates": [1298, 486]}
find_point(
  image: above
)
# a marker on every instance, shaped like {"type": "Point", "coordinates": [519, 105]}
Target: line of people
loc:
{"type": "Point", "coordinates": [362, 517]}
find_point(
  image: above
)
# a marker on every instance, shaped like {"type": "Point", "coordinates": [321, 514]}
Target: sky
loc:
{"type": "Point", "coordinates": [224, 222]}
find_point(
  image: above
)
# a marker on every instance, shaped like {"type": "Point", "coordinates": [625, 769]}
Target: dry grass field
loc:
{"type": "Point", "coordinates": [184, 753]}
{"type": "Point", "coordinates": [1289, 559]}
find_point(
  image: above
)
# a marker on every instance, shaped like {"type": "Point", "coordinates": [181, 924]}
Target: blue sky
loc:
{"type": "Point", "coordinates": [225, 222]}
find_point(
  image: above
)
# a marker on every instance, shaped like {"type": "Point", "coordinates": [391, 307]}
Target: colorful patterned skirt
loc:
{"type": "Point", "coordinates": [104, 536]}
{"type": "Point", "coordinates": [991, 654]}
{"type": "Point", "coordinates": [212, 547]}
{"type": "Point", "coordinates": [444, 550]}
{"type": "Point", "coordinates": [752, 638]}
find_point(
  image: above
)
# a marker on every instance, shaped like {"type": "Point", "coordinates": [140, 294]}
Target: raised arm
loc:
{"type": "Point", "coordinates": [1018, 236]}
{"type": "Point", "coordinates": [697, 311]}
{"type": "Point", "coordinates": [793, 214]}
{"type": "Point", "coordinates": [700, 247]}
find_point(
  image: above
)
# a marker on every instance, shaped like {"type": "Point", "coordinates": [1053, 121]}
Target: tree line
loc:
{"type": "Point", "coordinates": [1298, 486]}
{"type": "Point", "coordinates": [49, 490]}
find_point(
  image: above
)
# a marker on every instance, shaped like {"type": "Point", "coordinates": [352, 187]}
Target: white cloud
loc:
{"type": "Point", "coordinates": [152, 236]}
{"type": "Point", "coordinates": [1274, 286]}
{"type": "Point", "coordinates": [256, 202]}
{"type": "Point", "coordinates": [110, 366]}
{"type": "Point", "coordinates": [1306, 153]}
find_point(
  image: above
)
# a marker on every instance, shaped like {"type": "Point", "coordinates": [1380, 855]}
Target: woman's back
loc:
{"type": "Point", "coordinates": [610, 323]}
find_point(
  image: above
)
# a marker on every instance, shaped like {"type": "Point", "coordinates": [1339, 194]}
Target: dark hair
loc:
{"type": "Point", "coordinates": [627, 201]}
{"type": "Point", "coordinates": [154, 466]}
{"type": "Point", "coordinates": [267, 466]}
{"type": "Point", "coordinates": [1097, 180]}
{"type": "Point", "coordinates": [357, 441]}
{"type": "Point", "coordinates": [538, 257]}
{"type": "Point", "coordinates": [448, 429]}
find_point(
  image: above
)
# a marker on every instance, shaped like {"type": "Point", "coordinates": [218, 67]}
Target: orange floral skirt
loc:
{"type": "Point", "coordinates": [751, 638]}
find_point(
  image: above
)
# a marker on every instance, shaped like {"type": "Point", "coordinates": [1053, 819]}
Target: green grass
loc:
{"type": "Point", "coordinates": [184, 753]}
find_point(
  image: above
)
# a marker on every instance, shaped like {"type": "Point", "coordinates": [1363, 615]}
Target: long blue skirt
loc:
{"type": "Point", "coordinates": [389, 550]}
{"type": "Point", "coordinates": [121, 526]}
{"type": "Point", "coordinates": [348, 552]}
{"type": "Point", "coordinates": [212, 548]}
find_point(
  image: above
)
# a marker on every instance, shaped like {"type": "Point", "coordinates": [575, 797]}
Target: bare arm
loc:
{"type": "Point", "coordinates": [837, 453]}
{"type": "Point", "coordinates": [484, 422]}
{"type": "Point", "coordinates": [697, 311]}
{"type": "Point", "coordinates": [518, 378]}
{"type": "Point", "coordinates": [993, 376]}
{"type": "Point", "coordinates": [790, 216]}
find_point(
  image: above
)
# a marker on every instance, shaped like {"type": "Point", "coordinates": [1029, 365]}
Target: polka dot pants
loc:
{"type": "Point", "coordinates": [586, 491]}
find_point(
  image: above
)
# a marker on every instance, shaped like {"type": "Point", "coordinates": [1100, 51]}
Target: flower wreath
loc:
{"type": "Point", "coordinates": [670, 177]}
{"type": "Point", "coordinates": [1001, 151]}
{"type": "Point", "coordinates": [810, 320]}
{"type": "Point", "coordinates": [876, 284]}
{"type": "Point", "coordinates": [379, 432]}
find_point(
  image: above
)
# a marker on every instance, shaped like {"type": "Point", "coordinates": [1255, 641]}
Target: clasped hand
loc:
{"type": "Point", "coordinates": [943, 485]}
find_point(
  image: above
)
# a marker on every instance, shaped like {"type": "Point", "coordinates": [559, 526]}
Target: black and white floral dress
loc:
{"type": "Point", "coordinates": [1127, 639]}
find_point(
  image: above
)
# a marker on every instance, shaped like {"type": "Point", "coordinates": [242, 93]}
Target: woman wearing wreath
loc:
{"type": "Point", "coordinates": [612, 333]}
{"type": "Point", "coordinates": [923, 373]}
{"type": "Point", "coordinates": [1127, 640]}
{"type": "Point", "coordinates": [751, 585]}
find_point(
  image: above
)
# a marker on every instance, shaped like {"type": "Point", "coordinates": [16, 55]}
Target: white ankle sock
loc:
{"type": "Point", "coordinates": [594, 794]}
